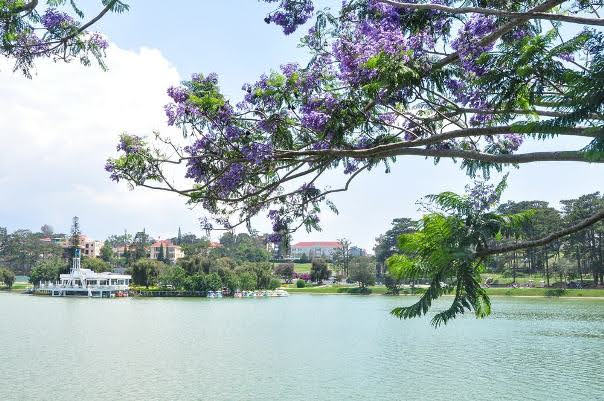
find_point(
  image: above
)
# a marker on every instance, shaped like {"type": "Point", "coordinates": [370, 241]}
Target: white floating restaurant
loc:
{"type": "Point", "coordinates": [85, 282]}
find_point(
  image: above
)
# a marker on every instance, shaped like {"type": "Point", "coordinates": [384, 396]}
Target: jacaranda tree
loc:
{"type": "Point", "coordinates": [56, 30]}
{"type": "Point", "coordinates": [462, 80]}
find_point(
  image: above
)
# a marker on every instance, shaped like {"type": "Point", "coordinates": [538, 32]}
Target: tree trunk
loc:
{"type": "Point", "coordinates": [546, 270]}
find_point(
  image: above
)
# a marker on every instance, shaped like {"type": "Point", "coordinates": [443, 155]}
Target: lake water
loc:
{"type": "Point", "coordinates": [305, 347]}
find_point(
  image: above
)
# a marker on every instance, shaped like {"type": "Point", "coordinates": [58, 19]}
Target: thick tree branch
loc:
{"type": "Point", "coordinates": [591, 220]}
{"type": "Point", "coordinates": [498, 13]}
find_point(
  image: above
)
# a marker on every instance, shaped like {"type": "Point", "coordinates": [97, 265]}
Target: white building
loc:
{"type": "Point", "coordinates": [85, 282]}
{"type": "Point", "coordinates": [314, 249]}
{"type": "Point", "coordinates": [171, 252]}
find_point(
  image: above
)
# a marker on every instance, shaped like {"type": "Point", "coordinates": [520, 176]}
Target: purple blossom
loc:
{"type": "Point", "coordinates": [364, 142]}
{"type": "Point", "coordinates": [233, 133]}
{"type": "Point", "coordinates": [178, 94]}
{"type": "Point", "coordinates": [513, 141]}
{"type": "Point", "coordinates": [231, 179]}
{"type": "Point", "coordinates": [314, 120]}
{"type": "Point", "coordinates": [97, 40]}
{"type": "Point", "coordinates": [320, 145]}
{"type": "Point", "coordinates": [350, 166]}
{"type": "Point", "coordinates": [53, 19]}
{"type": "Point", "coordinates": [130, 144]}
{"type": "Point", "coordinates": [110, 168]}
{"type": "Point", "coordinates": [258, 153]}
{"type": "Point", "coordinates": [290, 69]}
{"type": "Point", "coordinates": [291, 14]}
{"type": "Point", "coordinates": [567, 57]}
{"type": "Point", "coordinates": [467, 42]}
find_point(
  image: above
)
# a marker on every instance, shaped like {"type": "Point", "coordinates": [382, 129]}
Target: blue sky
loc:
{"type": "Point", "coordinates": [61, 126]}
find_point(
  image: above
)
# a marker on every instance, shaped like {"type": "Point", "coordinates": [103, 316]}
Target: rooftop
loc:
{"type": "Point", "coordinates": [310, 244]}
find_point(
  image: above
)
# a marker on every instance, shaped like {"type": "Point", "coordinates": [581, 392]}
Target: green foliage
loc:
{"type": "Point", "coordinates": [95, 264]}
{"type": "Point", "coordinates": [285, 271]}
{"type": "Point", "coordinates": [362, 271]}
{"type": "Point", "coordinates": [213, 282]}
{"type": "Point", "coordinates": [107, 253]}
{"type": "Point", "coordinates": [22, 249]}
{"type": "Point", "coordinates": [46, 270]}
{"type": "Point", "coordinates": [444, 250]}
{"type": "Point", "coordinates": [247, 281]}
{"type": "Point", "coordinates": [172, 277]}
{"type": "Point", "coordinates": [274, 284]}
{"type": "Point", "coordinates": [146, 271]}
{"type": "Point", "coordinates": [300, 283]}
{"type": "Point", "coordinates": [7, 277]}
{"type": "Point", "coordinates": [319, 270]}
{"type": "Point", "coordinates": [555, 292]}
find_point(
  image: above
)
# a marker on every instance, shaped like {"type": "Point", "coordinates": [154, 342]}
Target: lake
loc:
{"type": "Point", "coordinates": [304, 347]}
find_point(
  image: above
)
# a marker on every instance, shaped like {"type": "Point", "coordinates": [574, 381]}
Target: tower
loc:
{"type": "Point", "coordinates": [76, 260]}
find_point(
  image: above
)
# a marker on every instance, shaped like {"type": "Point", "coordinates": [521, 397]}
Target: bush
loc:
{"type": "Point", "coordinates": [555, 292]}
{"type": "Point", "coordinates": [300, 284]}
{"type": "Point", "coordinates": [274, 284]}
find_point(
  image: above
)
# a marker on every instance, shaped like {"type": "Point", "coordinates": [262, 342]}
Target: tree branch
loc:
{"type": "Point", "coordinates": [499, 32]}
{"type": "Point", "coordinates": [593, 219]}
{"type": "Point", "coordinates": [498, 13]}
{"type": "Point", "coordinates": [26, 7]}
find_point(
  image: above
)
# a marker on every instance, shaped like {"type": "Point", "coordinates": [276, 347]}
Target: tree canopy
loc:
{"type": "Point", "coordinates": [385, 80]}
{"type": "Point", "coordinates": [464, 80]}
{"type": "Point", "coordinates": [58, 30]}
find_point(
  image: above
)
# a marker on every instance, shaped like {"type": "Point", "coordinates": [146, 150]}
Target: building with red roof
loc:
{"type": "Point", "coordinates": [314, 249]}
{"type": "Point", "coordinates": [171, 252]}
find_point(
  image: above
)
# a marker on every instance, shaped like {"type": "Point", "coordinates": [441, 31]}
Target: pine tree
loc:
{"type": "Point", "coordinates": [161, 257]}
{"type": "Point", "coordinates": [179, 240]}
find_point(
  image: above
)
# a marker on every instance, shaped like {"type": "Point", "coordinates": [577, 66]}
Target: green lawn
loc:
{"type": "Point", "coordinates": [491, 291]}
{"type": "Point", "coordinates": [17, 286]}
{"type": "Point", "coordinates": [302, 267]}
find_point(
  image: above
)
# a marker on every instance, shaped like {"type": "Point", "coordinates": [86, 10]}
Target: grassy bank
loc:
{"type": "Point", "coordinates": [513, 292]}
{"type": "Point", "coordinates": [17, 287]}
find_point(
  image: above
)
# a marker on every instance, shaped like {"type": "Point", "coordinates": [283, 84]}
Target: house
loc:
{"type": "Point", "coordinates": [89, 247]}
{"type": "Point", "coordinates": [171, 252]}
{"type": "Point", "coordinates": [314, 249]}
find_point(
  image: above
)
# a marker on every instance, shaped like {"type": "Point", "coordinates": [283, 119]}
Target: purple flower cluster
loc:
{"type": "Point", "coordinates": [130, 144]}
{"type": "Point", "coordinates": [231, 179]}
{"type": "Point", "coordinates": [482, 196]}
{"type": "Point", "coordinates": [350, 166]}
{"type": "Point", "coordinates": [280, 226]}
{"type": "Point", "coordinates": [53, 19]}
{"type": "Point", "coordinates": [474, 98]}
{"type": "Point", "coordinates": [370, 38]}
{"type": "Point", "coordinates": [110, 168]}
{"type": "Point", "coordinates": [257, 153]}
{"type": "Point", "coordinates": [97, 40]}
{"type": "Point", "coordinates": [364, 142]}
{"type": "Point", "coordinates": [314, 120]}
{"type": "Point", "coordinates": [291, 14]}
{"type": "Point", "coordinates": [178, 94]}
{"type": "Point", "coordinates": [513, 141]}
{"type": "Point", "coordinates": [467, 43]}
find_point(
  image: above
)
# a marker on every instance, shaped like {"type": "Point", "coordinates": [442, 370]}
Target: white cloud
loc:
{"type": "Point", "coordinates": [59, 128]}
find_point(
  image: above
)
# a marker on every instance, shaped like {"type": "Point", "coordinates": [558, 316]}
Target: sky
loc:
{"type": "Point", "coordinates": [58, 129]}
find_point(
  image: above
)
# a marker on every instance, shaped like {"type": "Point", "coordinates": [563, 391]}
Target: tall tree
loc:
{"type": "Point", "coordinates": [385, 80]}
{"type": "Point", "coordinates": [341, 256]}
{"type": "Point", "coordinates": [162, 255]}
{"type": "Point", "coordinates": [386, 243]}
{"type": "Point", "coordinates": [47, 230]}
